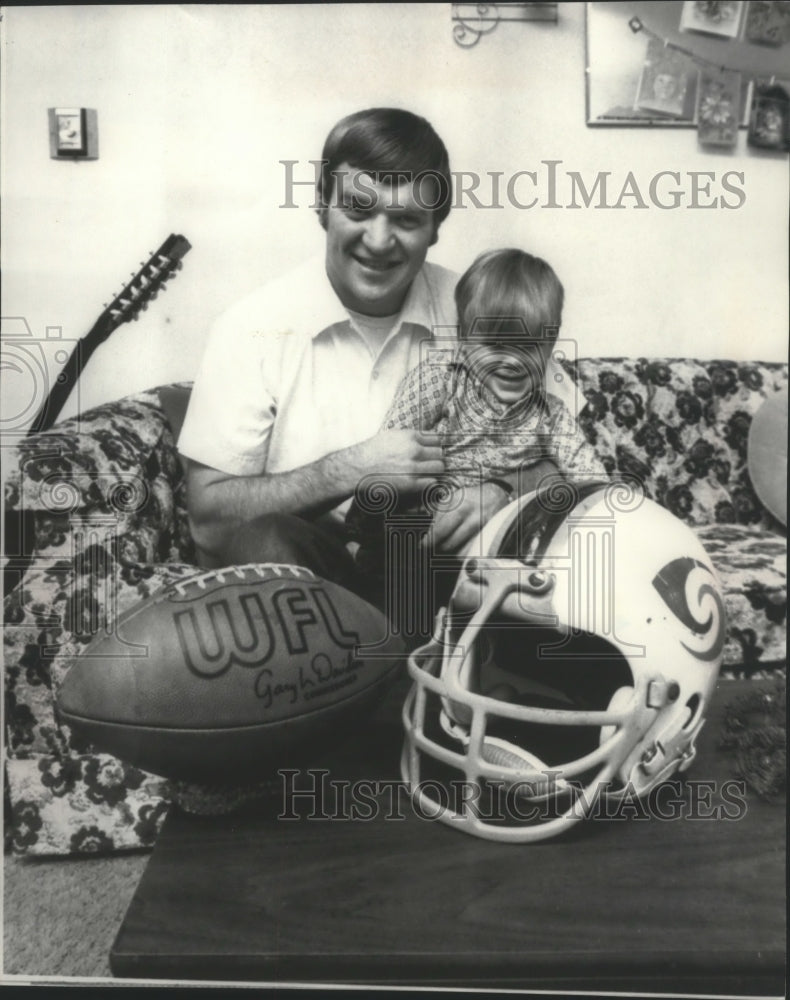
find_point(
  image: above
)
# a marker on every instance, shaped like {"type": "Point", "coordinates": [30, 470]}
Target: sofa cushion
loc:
{"type": "Point", "coordinates": [681, 427]}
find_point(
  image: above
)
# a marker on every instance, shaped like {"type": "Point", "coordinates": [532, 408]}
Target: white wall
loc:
{"type": "Point", "coordinates": [198, 104]}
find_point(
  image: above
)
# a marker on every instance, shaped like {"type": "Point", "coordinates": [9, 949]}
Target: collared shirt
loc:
{"type": "Point", "coordinates": [286, 378]}
{"type": "Point", "coordinates": [483, 436]}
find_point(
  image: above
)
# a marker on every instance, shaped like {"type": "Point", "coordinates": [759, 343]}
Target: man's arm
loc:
{"type": "Point", "coordinates": [219, 503]}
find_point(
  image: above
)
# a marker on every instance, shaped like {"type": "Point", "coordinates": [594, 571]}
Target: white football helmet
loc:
{"type": "Point", "coordinates": [573, 667]}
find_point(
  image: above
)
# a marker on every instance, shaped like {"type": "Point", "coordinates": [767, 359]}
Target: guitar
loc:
{"type": "Point", "coordinates": [126, 306]}
{"type": "Point", "coordinates": [767, 455]}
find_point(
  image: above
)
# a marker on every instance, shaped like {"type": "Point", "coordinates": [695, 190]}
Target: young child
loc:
{"type": "Point", "coordinates": [495, 400]}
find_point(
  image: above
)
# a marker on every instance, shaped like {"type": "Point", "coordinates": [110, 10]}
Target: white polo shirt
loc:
{"type": "Point", "coordinates": [286, 378]}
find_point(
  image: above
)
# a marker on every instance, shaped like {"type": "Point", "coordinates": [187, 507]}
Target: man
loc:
{"type": "Point", "coordinates": [284, 416]}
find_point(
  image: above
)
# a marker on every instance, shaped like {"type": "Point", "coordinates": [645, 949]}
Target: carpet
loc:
{"type": "Point", "coordinates": [60, 916]}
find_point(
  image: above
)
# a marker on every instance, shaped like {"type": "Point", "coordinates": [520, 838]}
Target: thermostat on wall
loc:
{"type": "Point", "coordinates": [73, 134]}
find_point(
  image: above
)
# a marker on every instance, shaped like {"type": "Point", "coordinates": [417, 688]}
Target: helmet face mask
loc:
{"type": "Point", "coordinates": [572, 668]}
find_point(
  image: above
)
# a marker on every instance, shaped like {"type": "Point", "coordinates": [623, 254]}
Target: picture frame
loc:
{"type": "Point", "coordinates": [70, 124]}
{"type": "Point", "coordinates": [665, 81]}
{"type": "Point", "coordinates": [768, 22]}
{"type": "Point", "coordinates": [721, 18]}
{"type": "Point", "coordinates": [718, 101]}
{"type": "Point", "coordinates": [769, 117]}
{"type": "Point", "coordinates": [73, 134]}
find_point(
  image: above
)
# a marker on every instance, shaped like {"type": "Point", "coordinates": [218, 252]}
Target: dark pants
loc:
{"type": "Point", "coordinates": [412, 589]}
{"type": "Point", "coordinates": [285, 538]}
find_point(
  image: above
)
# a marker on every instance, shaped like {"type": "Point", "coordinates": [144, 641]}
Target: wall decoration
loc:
{"type": "Point", "coordinates": [714, 17]}
{"type": "Point", "coordinates": [624, 87]}
{"type": "Point", "coordinates": [664, 81]}
{"type": "Point", "coordinates": [769, 120]}
{"type": "Point", "coordinates": [73, 134]}
{"type": "Point", "coordinates": [768, 22]}
{"type": "Point", "coordinates": [718, 102]}
{"type": "Point", "coordinates": [71, 130]}
{"type": "Point", "coordinates": [473, 20]}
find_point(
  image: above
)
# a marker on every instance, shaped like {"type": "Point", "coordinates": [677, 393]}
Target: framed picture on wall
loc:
{"type": "Point", "coordinates": [664, 81]}
{"type": "Point", "coordinates": [769, 120]}
{"type": "Point", "coordinates": [718, 101]}
{"type": "Point", "coordinates": [70, 128]}
{"type": "Point", "coordinates": [721, 18]}
{"type": "Point", "coordinates": [768, 22]}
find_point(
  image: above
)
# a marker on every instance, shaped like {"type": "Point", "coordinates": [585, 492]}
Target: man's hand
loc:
{"type": "Point", "coordinates": [455, 528]}
{"type": "Point", "coordinates": [409, 459]}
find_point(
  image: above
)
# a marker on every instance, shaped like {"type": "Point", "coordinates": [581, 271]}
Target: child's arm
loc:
{"type": "Point", "coordinates": [572, 451]}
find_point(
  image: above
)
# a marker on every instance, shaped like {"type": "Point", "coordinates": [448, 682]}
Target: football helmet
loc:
{"type": "Point", "coordinates": [573, 667]}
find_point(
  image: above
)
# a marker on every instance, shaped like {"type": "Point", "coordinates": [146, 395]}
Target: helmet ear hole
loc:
{"type": "Point", "coordinates": [619, 701]}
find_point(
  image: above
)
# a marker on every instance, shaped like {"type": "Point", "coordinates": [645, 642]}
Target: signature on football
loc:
{"type": "Point", "coordinates": [321, 679]}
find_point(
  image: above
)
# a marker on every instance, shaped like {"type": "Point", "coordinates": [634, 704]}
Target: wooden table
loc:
{"type": "Point", "coordinates": [680, 905]}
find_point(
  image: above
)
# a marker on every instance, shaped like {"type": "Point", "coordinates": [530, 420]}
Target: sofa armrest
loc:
{"type": "Point", "coordinates": [114, 469]}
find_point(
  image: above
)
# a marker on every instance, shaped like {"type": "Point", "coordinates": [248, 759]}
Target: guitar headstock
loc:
{"type": "Point", "coordinates": [145, 285]}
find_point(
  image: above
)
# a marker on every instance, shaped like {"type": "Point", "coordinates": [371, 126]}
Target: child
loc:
{"type": "Point", "coordinates": [491, 401]}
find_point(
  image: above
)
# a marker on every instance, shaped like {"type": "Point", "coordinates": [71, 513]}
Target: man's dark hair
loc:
{"type": "Point", "coordinates": [387, 141]}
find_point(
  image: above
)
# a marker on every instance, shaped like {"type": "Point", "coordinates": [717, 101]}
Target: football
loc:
{"type": "Point", "coordinates": [228, 675]}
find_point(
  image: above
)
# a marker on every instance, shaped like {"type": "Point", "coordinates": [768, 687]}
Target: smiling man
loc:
{"type": "Point", "coordinates": [285, 412]}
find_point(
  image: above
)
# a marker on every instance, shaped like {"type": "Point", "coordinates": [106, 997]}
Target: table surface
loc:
{"type": "Point", "coordinates": [682, 905]}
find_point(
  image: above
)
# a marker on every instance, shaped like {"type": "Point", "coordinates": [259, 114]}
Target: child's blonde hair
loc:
{"type": "Point", "coordinates": [509, 294]}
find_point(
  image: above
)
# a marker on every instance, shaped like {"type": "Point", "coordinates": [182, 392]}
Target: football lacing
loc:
{"type": "Point", "coordinates": [262, 570]}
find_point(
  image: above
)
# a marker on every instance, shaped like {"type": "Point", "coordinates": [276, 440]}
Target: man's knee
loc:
{"type": "Point", "coordinates": [268, 538]}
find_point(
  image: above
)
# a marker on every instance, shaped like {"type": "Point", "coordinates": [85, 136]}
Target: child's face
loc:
{"type": "Point", "coordinates": [510, 370]}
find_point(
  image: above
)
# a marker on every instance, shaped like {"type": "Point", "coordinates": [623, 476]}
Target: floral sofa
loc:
{"type": "Point", "coordinates": [104, 499]}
